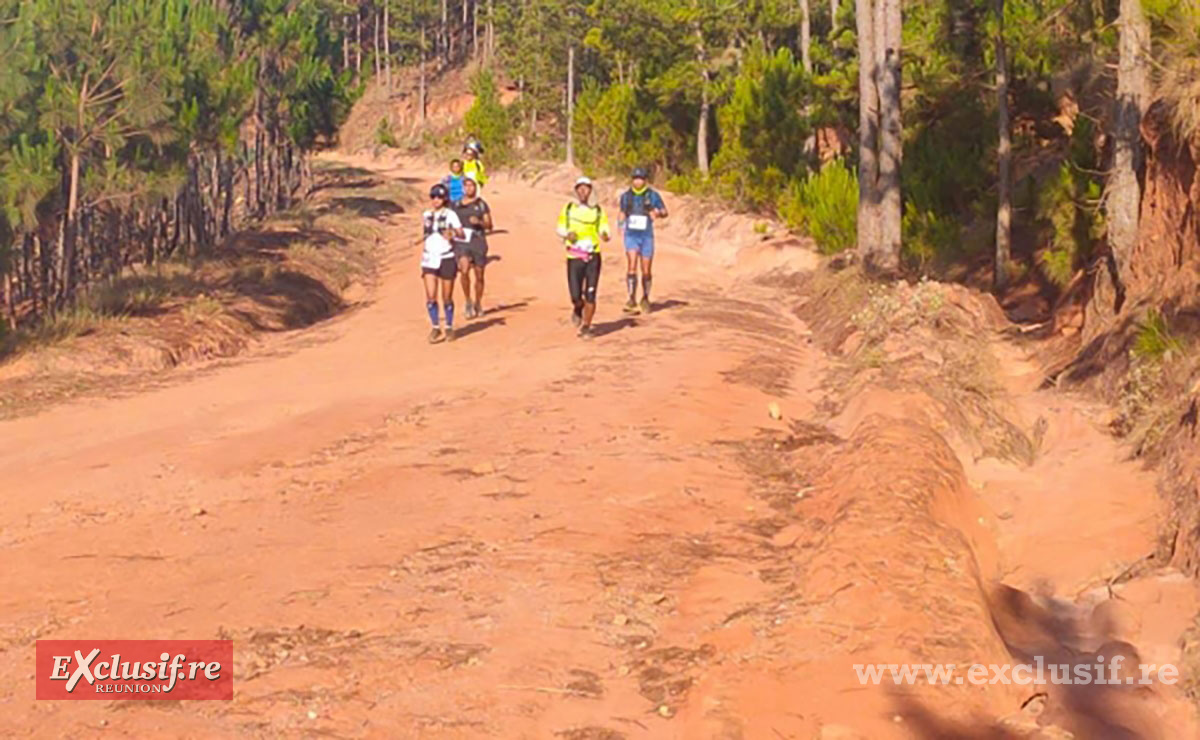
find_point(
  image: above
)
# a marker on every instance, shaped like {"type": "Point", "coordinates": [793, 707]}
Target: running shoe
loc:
{"type": "Point", "coordinates": [576, 319]}
{"type": "Point", "coordinates": [645, 305]}
{"type": "Point", "coordinates": [631, 306]}
{"type": "Point", "coordinates": [469, 311]}
{"type": "Point", "coordinates": [435, 335]}
{"type": "Point", "coordinates": [586, 332]}
{"type": "Point", "coordinates": [450, 335]}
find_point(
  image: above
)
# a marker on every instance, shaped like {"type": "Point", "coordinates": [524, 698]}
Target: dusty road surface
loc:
{"type": "Point", "coordinates": [518, 535]}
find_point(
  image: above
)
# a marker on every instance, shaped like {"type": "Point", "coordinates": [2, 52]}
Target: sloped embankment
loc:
{"type": "Point", "coordinates": [938, 529]}
{"type": "Point", "coordinates": [1140, 350]}
{"type": "Point", "coordinates": [298, 268]}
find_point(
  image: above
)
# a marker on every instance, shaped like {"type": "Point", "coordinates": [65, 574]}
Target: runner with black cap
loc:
{"type": "Point", "coordinates": [438, 266]}
{"type": "Point", "coordinates": [639, 206]}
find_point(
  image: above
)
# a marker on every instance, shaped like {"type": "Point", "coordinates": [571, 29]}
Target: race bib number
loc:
{"type": "Point", "coordinates": [432, 261]}
{"type": "Point", "coordinates": [466, 237]}
{"type": "Point", "coordinates": [639, 222]}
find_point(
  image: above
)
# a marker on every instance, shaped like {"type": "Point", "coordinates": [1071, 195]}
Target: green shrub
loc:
{"type": "Point", "coordinates": [1068, 209]}
{"type": "Point", "coordinates": [825, 206]}
{"type": "Point", "coordinates": [1154, 340]}
{"type": "Point", "coordinates": [946, 165]}
{"type": "Point", "coordinates": [1056, 207]}
{"type": "Point", "coordinates": [384, 135]}
{"type": "Point", "coordinates": [1058, 264]}
{"type": "Point", "coordinates": [690, 182]}
{"type": "Point", "coordinates": [601, 126]}
{"type": "Point", "coordinates": [617, 129]}
{"type": "Point", "coordinates": [763, 129]}
{"type": "Point", "coordinates": [489, 119]}
{"type": "Point", "coordinates": [928, 237]}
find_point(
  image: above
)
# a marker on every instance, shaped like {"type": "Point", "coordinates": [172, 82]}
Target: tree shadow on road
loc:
{"type": "Point", "coordinates": [375, 208]}
{"type": "Point", "coordinates": [926, 724]}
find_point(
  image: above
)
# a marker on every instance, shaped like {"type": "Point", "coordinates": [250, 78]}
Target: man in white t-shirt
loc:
{"type": "Point", "coordinates": [438, 266]}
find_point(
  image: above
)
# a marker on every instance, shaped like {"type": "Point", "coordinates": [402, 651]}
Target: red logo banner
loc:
{"type": "Point", "coordinates": [134, 669]}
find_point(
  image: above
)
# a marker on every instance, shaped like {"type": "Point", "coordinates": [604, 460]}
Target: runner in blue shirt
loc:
{"type": "Point", "coordinates": [454, 182]}
{"type": "Point", "coordinates": [639, 206]}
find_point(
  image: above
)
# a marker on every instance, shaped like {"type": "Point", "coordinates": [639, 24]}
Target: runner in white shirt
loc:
{"type": "Point", "coordinates": [438, 266]}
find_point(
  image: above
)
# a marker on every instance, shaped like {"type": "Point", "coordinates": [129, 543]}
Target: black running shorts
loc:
{"type": "Point", "coordinates": [448, 270]}
{"type": "Point", "coordinates": [475, 251]}
{"type": "Point", "coordinates": [582, 279]}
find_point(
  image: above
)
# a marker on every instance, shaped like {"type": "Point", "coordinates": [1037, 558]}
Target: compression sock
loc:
{"type": "Point", "coordinates": [432, 308]}
{"type": "Point", "coordinates": [631, 285]}
{"type": "Point", "coordinates": [450, 315]}
{"type": "Point", "coordinates": [646, 287]}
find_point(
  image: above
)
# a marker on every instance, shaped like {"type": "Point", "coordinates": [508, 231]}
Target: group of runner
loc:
{"type": "Point", "coordinates": [456, 226]}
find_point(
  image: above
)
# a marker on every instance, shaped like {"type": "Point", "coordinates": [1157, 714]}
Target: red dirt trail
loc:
{"type": "Point", "coordinates": [524, 535]}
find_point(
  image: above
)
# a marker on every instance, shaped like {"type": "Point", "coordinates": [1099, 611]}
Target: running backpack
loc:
{"type": "Point", "coordinates": [599, 212]}
{"type": "Point", "coordinates": [437, 221]}
{"type": "Point", "coordinates": [645, 199]}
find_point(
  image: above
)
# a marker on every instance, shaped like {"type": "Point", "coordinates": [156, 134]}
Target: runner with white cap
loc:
{"type": "Point", "coordinates": [583, 226]}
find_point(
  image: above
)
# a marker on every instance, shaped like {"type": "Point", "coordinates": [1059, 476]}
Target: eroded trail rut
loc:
{"type": "Point", "coordinates": [522, 535]}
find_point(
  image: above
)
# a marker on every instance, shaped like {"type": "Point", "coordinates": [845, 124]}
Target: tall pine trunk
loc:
{"type": "Point", "coordinates": [387, 46]}
{"type": "Point", "coordinates": [805, 37]}
{"type": "Point", "coordinates": [705, 102]}
{"type": "Point", "coordinates": [345, 42]}
{"type": "Point", "coordinates": [462, 32]}
{"type": "Point", "coordinates": [1124, 193]}
{"type": "Point", "coordinates": [888, 20]}
{"type": "Point", "coordinates": [375, 40]}
{"type": "Point", "coordinates": [421, 77]}
{"type": "Point", "coordinates": [445, 32]}
{"type": "Point", "coordinates": [491, 31]}
{"type": "Point", "coordinates": [70, 230]}
{"type": "Point", "coordinates": [358, 47]}
{"type": "Point", "coordinates": [1003, 156]}
{"type": "Point", "coordinates": [571, 105]}
{"type": "Point", "coordinates": [10, 300]}
{"type": "Point", "coordinates": [868, 130]}
{"type": "Point", "coordinates": [833, 18]}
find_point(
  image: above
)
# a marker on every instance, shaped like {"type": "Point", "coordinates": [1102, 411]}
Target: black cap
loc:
{"type": "Point", "coordinates": [439, 191]}
{"type": "Point", "coordinates": [641, 172]}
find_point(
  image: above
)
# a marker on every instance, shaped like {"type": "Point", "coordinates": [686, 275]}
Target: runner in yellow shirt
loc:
{"type": "Point", "coordinates": [583, 226]}
{"type": "Point", "coordinates": [472, 164]}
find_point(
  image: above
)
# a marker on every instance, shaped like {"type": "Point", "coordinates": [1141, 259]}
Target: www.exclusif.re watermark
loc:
{"type": "Point", "coordinates": [1102, 672]}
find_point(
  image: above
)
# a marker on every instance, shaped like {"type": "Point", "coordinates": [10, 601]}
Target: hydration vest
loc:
{"type": "Point", "coordinates": [637, 204]}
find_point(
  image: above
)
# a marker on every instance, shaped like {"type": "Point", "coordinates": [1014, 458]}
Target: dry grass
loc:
{"type": "Point", "coordinates": [1179, 71]}
{"type": "Point", "coordinates": [289, 272]}
{"type": "Point", "coordinates": [922, 338]}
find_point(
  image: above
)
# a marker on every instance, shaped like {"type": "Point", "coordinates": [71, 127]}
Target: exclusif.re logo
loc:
{"type": "Point", "coordinates": [134, 669]}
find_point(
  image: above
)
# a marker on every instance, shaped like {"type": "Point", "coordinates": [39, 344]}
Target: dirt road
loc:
{"type": "Point", "coordinates": [518, 535]}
